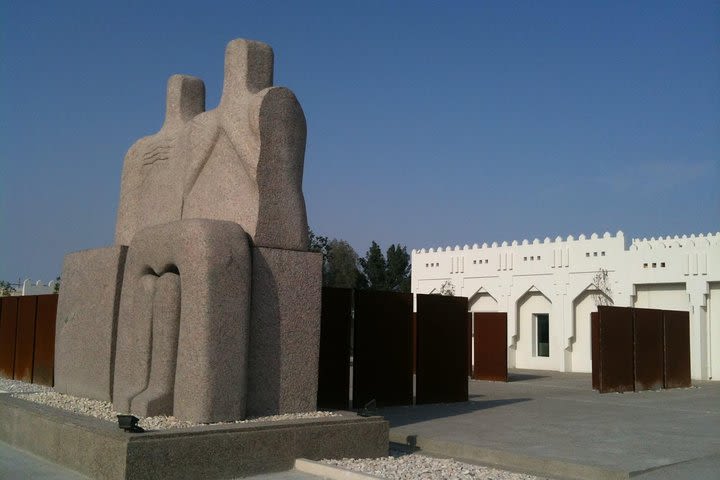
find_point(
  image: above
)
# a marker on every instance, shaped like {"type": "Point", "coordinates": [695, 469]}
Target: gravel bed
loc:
{"type": "Point", "coordinates": [104, 410]}
{"type": "Point", "coordinates": [401, 465]}
{"type": "Point", "coordinates": [13, 386]}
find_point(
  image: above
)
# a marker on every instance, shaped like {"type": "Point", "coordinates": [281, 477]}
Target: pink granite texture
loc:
{"type": "Point", "coordinates": [219, 299]}
{"type": "Point", "coordinates": [86, 322]}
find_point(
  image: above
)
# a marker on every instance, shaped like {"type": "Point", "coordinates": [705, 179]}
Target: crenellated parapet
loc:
{"type": "Point", "coordinates": [654, 259]}
{"type": "Point", "coordinates": [534, 256]}
{"type": "Point", "coordinates": [677, 241]}
{"type": "Point", "coordinates": [570, 239]}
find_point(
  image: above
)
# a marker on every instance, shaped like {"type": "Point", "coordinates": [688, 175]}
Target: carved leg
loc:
{"type": "Point", "coordinates": [132, 360]}
{"type": "Point", "coordinates": [206, 373]}
{"type": "Point", "coordinates": [157, 399]}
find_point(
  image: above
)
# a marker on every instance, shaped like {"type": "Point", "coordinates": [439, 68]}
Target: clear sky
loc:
{"type": "Point", "coordinates": [429, 123]}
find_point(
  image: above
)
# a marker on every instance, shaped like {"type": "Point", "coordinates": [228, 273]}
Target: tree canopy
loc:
{"type": "Point", "coordinates": [389, 272]}
{"type": "Point", "coordinates": [343, 268]}
{"type": "Point", "coordinates": [6, 288]}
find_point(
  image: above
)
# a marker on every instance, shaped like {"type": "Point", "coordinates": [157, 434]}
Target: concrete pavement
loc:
{"type": "Point", "coordinates": [548, 423]}
{"type": "Point", "coordinates": [20, 465]}
{"type": "Point", "coordinates": [554, 424]}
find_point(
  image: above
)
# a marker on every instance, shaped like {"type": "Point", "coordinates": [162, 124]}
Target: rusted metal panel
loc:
{"type": "Point", "coordinates": [677, 349]}
{"type": "Point", "coordinates": [648, 348]}
{"type": "Point", "coordinates": [43, 362]}
{"type": "Point", "coordinates": [490, 346]}
{"type": "Point", "coordinates": [25, 338]}
{"type": "Point", "coordinates": [470, 343]}
{"type": "Point", "coordinates": [334, 368]}
{"type": "Point", "coordinates": [382, 356]}
{"type": "Point", "coordinates": [8, 328]}
{"type": "Point", "coordinates": [595, 349]}
{"type": "Point", "coordinates": [414, 341]}
{"type": "Point", "coordinates": [442, 349]}
{"type": "Point", "coordinates": [616, 349]}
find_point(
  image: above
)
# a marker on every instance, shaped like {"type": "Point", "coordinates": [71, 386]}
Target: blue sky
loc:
{"type": "Point", "coordinates": [429, 123]}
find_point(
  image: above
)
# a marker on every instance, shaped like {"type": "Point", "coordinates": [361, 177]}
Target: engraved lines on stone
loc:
{"type": "Point", "coordinates": [159, 152]}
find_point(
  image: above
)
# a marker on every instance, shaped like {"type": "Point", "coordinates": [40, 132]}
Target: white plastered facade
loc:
{"type": "Point", "coordinates": [558, 278]}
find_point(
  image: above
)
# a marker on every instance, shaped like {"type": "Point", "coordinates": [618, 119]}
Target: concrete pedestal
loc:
{"type": "Point", "coordinates": [284, 331]}
{"type": "Point", "coordinates": [87, 321]}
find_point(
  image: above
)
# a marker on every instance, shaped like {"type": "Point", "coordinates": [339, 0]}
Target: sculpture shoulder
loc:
{"type": "Point", "coordinates": [136, 150]}
{"type": "Point", "coordinates": [280, 103]}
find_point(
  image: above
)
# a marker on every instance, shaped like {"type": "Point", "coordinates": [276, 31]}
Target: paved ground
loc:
{"type": "Point", "coordinates": [17, 464]}
{"type": "Point", "coordinates": [547, 423]}
{"type": "Point", "coordinates": [555, 424]}
{"type": "Point", "coordinates": [20, 465]}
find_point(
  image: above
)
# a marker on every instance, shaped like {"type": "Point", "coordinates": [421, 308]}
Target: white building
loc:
{"type": "Point", "coordinates": [28, 287]}
{"type": "Point", "coordinates": [551, 286]}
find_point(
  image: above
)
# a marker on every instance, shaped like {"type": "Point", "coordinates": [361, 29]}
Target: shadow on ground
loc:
{"type": "Point", "coordinates": [521, 377]}
{"type": "Point", "coordinates": [406, 415]}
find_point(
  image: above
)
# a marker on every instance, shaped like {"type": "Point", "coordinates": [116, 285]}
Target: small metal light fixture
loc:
{"type": "Point", "coordinates": [129, 423]}
{"type": "Point", "coordinates": [369, 409]}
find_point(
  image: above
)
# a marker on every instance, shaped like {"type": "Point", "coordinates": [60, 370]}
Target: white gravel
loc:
{"type": "Point", "coordinates": [13, 386]}
{"type": "Point", "coordinates": [399, 465]}
{"type": "Point", "coordinates": [104, 410]}
{"type": "Point", "coordinates": [410, 466]}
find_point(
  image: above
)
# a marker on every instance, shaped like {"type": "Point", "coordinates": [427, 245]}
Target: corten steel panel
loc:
{"type": "Point", "coordinates": [490, 346]}
{"type": "Point", "coordinates": [8, 327]}
{"type": "Point", "coordinates": [382, 352]}
{"type": "Point", "coordinates": [595, 349]}
{"type": "Point", "coordinates": [334, 369]}
{"type": "Point", "coordinates": [616, 349]}
{"type": "Point", "coordinates": [470, 343]}
{"type": "Point", "coordinates": [25, 338]}
{"type": "Point", "coordinates": [648, 349]}
{"type": "Point", "coordinates": [43, 362]}
{"type": "Point", "coordinates": [677, 349]}
{"type": "Point", "coordinates": [414, 341]}
{"type": "Point", "coordinates": [441, 349]}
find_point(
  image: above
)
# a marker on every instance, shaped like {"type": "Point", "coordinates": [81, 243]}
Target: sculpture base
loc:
{"type": "Point", "coordinates": [86, 322]}
{"type": "Point", "coordinates": [284, 332]}
{"type": "Point", "coordinates": [99, 449]}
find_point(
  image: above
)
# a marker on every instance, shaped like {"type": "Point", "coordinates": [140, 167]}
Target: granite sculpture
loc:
{"type": "Point", "coordinates": [215, 298]}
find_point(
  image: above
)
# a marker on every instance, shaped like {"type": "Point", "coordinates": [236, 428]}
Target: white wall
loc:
{"type": "Point", "coordinates": [483, 302]}
{"type": "Point", "coordinates": [28, 287]}
{"type": "Point", "coordinates": [677, 273]}
{"type": "Point", "coordinates": [530, 304]}
{"type": "Point", "coordinates": [714, 316]}
{"type": "Point", "coordinates": [665, 296]}
{"type": "Point", "coordinates": [581, 358]}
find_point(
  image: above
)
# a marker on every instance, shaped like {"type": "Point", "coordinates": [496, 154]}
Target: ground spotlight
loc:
{"type": "Point", "coordinates": [129, 423]}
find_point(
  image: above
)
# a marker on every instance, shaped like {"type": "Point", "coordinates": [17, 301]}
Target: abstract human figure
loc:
{"type": "Point", "coordinates": [247, 155]}
{"type": "Point", "coordinates": [241, 162]}
{"type": "Point", "coordinates": [195, 198]}
{"type": "Point", "coordinates": [151, 185]}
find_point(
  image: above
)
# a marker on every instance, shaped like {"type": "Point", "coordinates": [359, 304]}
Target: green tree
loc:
{"type": "Point", "coordinates": [56, 287]}
{"type": "Point", "coordinates": [373, 268]}
{"type": "Point", "coordinates": [342, 270]}
{"type": "Point", "coordinates": [319, 244]}
{"type": "Point", "coordinates": [389, 273]}
{"type": "Point", "coordinates": [397, 276]}
{"type": "Point", "coordinates": [6, 288]}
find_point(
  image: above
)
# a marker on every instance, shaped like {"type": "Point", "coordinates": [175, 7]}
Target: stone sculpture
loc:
{"type": "Point", "coordinates": [211, 301]}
